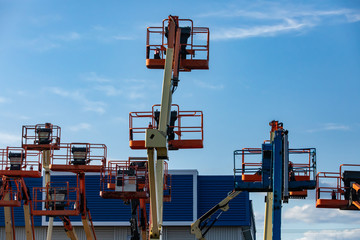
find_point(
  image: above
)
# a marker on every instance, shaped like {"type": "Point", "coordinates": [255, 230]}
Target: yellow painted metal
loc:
{"type": "Point", "coordinates": [87, 229]}
{"type": "Point", "coordinates": [154, 227]}
{"type": "Point", "coordinates": [72, 234]}
{"type": "Point", "coordinates": [8, 220]}
{"type": "Point", "coordinates": [46, 154]}
{"type": "Point", "coordinates": [268, 216]}
{"type": "Point", "coordinates": [27, 218]}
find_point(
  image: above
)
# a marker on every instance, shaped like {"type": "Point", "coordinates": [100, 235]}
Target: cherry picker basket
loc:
{"type": "Point", "coordinates": [79, 157]}
{"type": "Point", "coordinates": [184, 132]}
{"type": "Point", "coordinates": [41, 136]}
{"type": "Point", "coordinates": [20, 162]}
{"type": "Point", "coordinates": [129, 180]}
{"type": "Point", "coordinates": [194, 45]}
{"type": "Point", "coordinates": [10, 192]}
{"type": "Point", "coordinates": [56, 199]}
{"type": "Point", "coordinates": [339, 189]}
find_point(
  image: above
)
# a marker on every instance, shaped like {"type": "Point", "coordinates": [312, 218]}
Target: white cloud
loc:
{"type": "Point", "coordinates": [81, 126]}
{"type": "Point", "coordinates": [208, 85]}
{"type": "Point", "coordinates": [309, 214]}
{"type": "Point", "coordinates": [94, 77]}
{"type": "Point", "coordinates": [8, 139]}
{"type": "Point", "coordinates": [348, 234]}
{"type": "Point", "coordinates": [330, 127]}
{"type": "Point", "coordinates": [109, 90]}
{"type": "Point", "coordinates": [88, 105]}
{"type": "Point", "coordinates": [71, 36]}
{"type": "Point", "coordinates": [4, 100]}
{"type": "Point", "coordinates": [280, 19]}
{"type": "Point", "coordinates": [257, 31]}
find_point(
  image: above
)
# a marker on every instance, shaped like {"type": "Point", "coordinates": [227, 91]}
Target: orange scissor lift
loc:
{"type": "Point", "coordinates": [340, 190]}
{"type": "Point", "coordinates": [64, 200]}
{"type": "Point", "coordinates": [43, 138]}
{"type": "Point", "coordinates": [129, 181]}
{"type": "Point", "coordinates": [176, 46]}
{"type": "Point", "coordinates": [16, 164]}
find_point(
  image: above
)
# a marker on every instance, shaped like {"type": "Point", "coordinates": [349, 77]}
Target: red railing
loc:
{"type": "Point", "coordinates": [185, 135]}
{"type": "Point", "coordinates": [197, 47]}
{"type": "Point", "coordinates": [20, 162]}
{"type": "Point", "coordinates": [59, 200]}
{"type": "Point", "coordinates": [79, 156]}
{"type": "Point", "coordinates": [10, 192]}
{"type": "Point", "coordinates": [41, 136]}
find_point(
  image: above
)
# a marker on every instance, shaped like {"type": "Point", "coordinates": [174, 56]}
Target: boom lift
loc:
{"type": "Point", "coordinates": [64, 200]}
{"type": "Point", "coordinates": [43, 137]}
{"type": "Point", "coordinates": [128, 181]}
{"type": "Point", "coordinates": [16, 164]}
{"type": "Point", "coordinates": [275, 174]}
{"type": "Point", "coordinates": [177, 51]}
{"type": "Point", "coordinates": [339, 189]}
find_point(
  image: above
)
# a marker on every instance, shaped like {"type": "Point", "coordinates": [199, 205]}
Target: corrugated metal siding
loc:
{"type": "Point", "coordinates": [177, 233]}
{"type": "Point", "coordinates": [181, 206]}
{"type": "Point", "coordinates": [213, 189]}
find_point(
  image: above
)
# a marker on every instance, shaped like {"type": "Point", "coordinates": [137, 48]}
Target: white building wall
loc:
{"type": "Point", "coordinates": [123, 233]}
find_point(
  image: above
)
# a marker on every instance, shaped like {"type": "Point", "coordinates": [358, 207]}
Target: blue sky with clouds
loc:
{"type": "Point", "coordinates": [81, 65]}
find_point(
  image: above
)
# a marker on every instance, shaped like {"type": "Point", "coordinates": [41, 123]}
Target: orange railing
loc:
{"type": "Point", "coordinates": [197, 47]}
{"type": "Point", "coordinates": [303, 169]}
{"type": "Point", "coordinates": [129, 179]}
{"type": "Point", "coordinates": [20, 162]}
{"type": "Point", "coordinates": [185, 135]}
{"type": "Point", "coordinates": [69, 153]}
{"type": "Point", "coordinates": [41, 136]}
{"type": "Point", "coordinates": [56, 199]}
{"type": "Point", "coordinates": [10, 192]}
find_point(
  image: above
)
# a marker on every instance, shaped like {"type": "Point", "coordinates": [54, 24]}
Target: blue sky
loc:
{"type": "Point", "coordinates": [81, 65]}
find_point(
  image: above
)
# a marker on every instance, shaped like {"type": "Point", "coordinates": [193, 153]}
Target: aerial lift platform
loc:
{"type": "Point", "coordinates": [339, 190]}
{"type": "Point", "coordinates": [175, 46]}
{"type": "Point", "coordinates": [63, 200]}
{"type": "Point", "coordinates": [129, 181]}
{"type": "Point", "coordinates": [16, 164]}
{"type": "Point", "coordinates": [278, 175]}
{"type": "Point", "coordinates": [44, 138]}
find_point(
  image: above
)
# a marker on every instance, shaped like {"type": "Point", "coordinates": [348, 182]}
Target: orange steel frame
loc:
{"type": "Point", "coordinates": [185, 64]}
{"type": "Point", "coordinates": [95, 161]}
{"type": "Point", "coordinates": [30, 163]}
{"type": "Point", "coordinates": [61, 159]}
{"type": "Point", "coordinates": [108, 181]}
{"type": "Point", "coordinates": [30, 166]}
{"type": "Point", "coordinates": [71, 203]}
{"type": "Point", "coordinates": [30, 137]}
{"type": "Point", "coordinates": [179, 142]}
{"type": "Point", "coordinates": [335, 194]}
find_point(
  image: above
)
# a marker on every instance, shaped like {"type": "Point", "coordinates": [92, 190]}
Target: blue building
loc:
{"type": "Point", "coordinates": [192, 196]}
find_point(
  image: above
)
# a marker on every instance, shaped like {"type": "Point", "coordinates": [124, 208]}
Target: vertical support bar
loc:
{"type": "Point", "coordinates": [268, 216]}
{"type": "Point", "coordinates": [10, 235]}
{"type": "Point", "coordinates": [46, 154]}
{"type": "Point", "coordinates": [285, 152]}
{"type": "Point", "coordinates": [160, 189]}
{"type": "Point", "coordinates": [154, 227]}
{"type": "Point", "coordinates": [277, 184]}
{"type": "Point", "coordinates": [27, 218]}
{"type": "Point", "coordinates": [84, 216]}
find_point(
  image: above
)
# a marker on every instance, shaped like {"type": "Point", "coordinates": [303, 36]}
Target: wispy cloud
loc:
{"type": "Point", "coordinates": [4, 100]}
{"type": "Point", "coordinates": [208, 85]}
{"type": "Point", "coordinates": [88, 105]}
{"type": "Point", "coordinates": [71, 36]}
{"type": "Point", "coordinates": [308, 214]}
{"type": "Point", "coordinates": [80, 126]}
{"type": "Point", "coordinates": [94, 77]}
{"type": "Point", "coordinates": [7, 139]}
{"type": "Point", "coordinates": [330, 127]}
{"type": "Point", "coordinates": [122, 37]}
{"type": "Point", "coordinates": [109, 90]}
{"type": "Point", "coordinates": [348, 234]}
{"type": "Point", "coordinates": [49, 42]}
{"type": "Point", "coordinates": [280, 19]}
{"type": "Point", "coordinates": [260, 31]}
